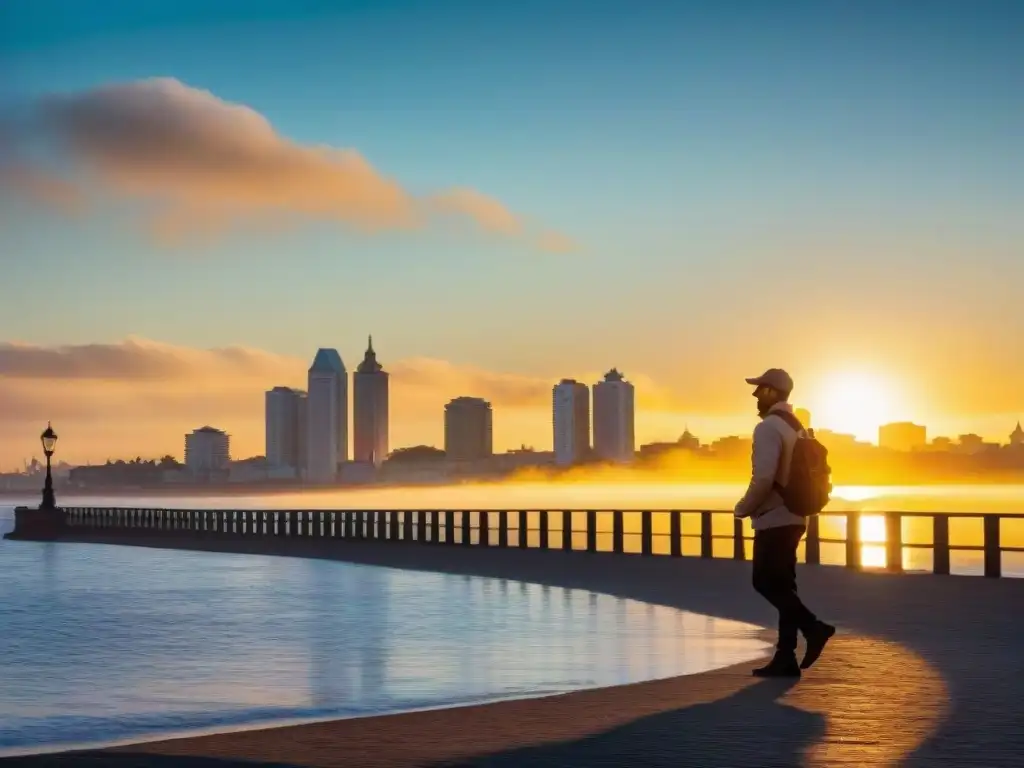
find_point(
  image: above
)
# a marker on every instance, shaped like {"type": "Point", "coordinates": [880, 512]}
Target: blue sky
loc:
{"type": "Point", "coordinates": [709, 157]}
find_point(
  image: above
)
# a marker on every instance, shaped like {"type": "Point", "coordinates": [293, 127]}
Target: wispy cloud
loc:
{"type": "Point", "coordinates": [201, 165]}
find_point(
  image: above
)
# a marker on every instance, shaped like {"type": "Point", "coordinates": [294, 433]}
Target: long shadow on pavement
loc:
{"type": "Point", "coordinates": [750, 729]}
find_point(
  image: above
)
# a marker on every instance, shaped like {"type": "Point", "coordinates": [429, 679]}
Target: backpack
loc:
{"type": "Point", "coordinates": [810, 483]}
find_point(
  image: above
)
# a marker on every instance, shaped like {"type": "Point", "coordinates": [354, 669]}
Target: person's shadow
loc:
{"type": "Point", "coordinates": [750, 728]}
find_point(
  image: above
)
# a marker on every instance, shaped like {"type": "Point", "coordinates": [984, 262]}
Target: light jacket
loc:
{"type": "Point", "coordinates": [771, 454]}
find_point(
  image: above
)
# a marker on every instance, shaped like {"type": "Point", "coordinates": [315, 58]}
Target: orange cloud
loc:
{"type": "Point", "coordinates": [490, 214]}
{"type": "Point", "coordinates": [556, 242]}
{"type": "Point", "coordinates": [41, 187]}
{"type": "Point", "coordinates": [202, 165]}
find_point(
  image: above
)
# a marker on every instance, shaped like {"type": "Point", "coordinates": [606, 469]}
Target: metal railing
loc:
{"type": "Point", "coordinates": [892, 541]}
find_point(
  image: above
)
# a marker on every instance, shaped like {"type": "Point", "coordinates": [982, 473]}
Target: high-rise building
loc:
{"type": "Point", "coordinates": [207, 450]}
{"type": "Point", "coordinates": [370, 409]}
{"type": "Point", "coordinates": [326, 417]}
{"type": "Point", "coordinates": [571, 421]}
{"type": "Point", "coordinates": [468, 429]}
{"type": "Point", "coordinates": [614, 438]}
{"type": "Point", "coordinates": [902, 436]}
{"type": "Point", "coordinates": [285, 421]}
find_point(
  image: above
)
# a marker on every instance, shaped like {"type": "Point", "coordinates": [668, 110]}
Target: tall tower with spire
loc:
{"type": "Point", "coordinates": [370, 409]}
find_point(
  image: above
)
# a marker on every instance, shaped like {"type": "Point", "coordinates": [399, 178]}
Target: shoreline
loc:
{"type": "Point", "coordinates": [891, 638]}
{"type": "Point", "coordinates": [270, 548]}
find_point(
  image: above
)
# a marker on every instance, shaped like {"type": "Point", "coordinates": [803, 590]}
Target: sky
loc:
{"type": "Point", "coordinates": [195, 196]}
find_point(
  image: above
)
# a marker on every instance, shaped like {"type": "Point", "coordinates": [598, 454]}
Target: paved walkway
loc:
{"type": "Point", "coordinates": [926, 671]}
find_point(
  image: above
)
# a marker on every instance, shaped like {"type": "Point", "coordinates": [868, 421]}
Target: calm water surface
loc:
{"type": "Point", "coordinates": [106, 643]}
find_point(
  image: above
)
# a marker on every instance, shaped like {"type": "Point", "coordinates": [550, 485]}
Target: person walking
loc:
{"type": "Point", "coordinates": [778, 510]}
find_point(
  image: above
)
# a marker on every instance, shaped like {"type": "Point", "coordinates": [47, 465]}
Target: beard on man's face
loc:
{"type": "Point", "coordinates": [764, 404]}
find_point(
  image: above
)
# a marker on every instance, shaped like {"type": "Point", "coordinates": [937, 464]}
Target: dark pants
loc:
{"type": "Point", "coordinates": [775, 581]}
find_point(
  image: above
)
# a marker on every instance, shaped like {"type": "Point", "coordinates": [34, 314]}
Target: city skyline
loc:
{"type": "Point", "coordinates": [595, 184]}
{"type": "Point", "coordinates": [528, 401]}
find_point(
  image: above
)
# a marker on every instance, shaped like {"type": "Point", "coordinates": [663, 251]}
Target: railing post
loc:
{"type": "Point", "coordinates": [435, 527]}
{"type": "Point", "coordinates": [467, 529]}
{"type": "Point", "coordinates": [993, 551]}
{"type": "Point", "coordinates": [739, 548]}
{"type": "Point", "coordinates": [646, 533]}
{"type": "Point", "coordinates": [543, 528]}
{"type": "Point", "coordinates": [707, 548]}
{"type": "Point", "coordinates": [449, 527]}
{"type": "Point", "coordinates": [591, 530]}
{"type": "Point", "coordinates": [567, 530]}
{"type": "Point", "coordinates": [618, 539]}
{"type": "Point", "coordinates": [812, 541]}
{"type": "Point", "coordinates": [503, 528]}
{"type": "Point", "coordinates": [485, 528]}
{"type": "Point", "coordinates": [524, 529]}
{"type": "Point", "coordinates": [407, 524]}
{"type": "Point", "coordinates": [675, 531]}
{"type": "Point", "coordinates": [894, 542]}
{"type": "Point", "coordinates": [853, 540]}
{"type": "Point", "coordinates": [940, 545]}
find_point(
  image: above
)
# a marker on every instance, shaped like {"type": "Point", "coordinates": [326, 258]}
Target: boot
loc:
{"type": "Point", "coordinates": [816, 637]}
{"type": "Point", "coordinates": [783, 664]}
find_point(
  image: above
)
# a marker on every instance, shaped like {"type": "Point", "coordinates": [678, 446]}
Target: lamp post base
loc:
{"type": "Point", "coordinates": [43, 524]}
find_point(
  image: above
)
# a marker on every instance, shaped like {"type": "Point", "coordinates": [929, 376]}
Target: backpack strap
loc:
{"type": "Point", "coordinates": [794, 423]}
{"type": "Point", "coordinates": [790, 419]}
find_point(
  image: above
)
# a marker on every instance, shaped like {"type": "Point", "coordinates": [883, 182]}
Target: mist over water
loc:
{"type": "Point", "coordinates": [581, 495]}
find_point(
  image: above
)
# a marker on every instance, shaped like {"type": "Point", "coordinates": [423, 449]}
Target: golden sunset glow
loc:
{"type": "Point", "coordinates": [856, 403]}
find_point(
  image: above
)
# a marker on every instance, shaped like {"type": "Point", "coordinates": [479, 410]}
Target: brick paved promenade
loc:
{"type": "Point", "coordinates": [926, 671]}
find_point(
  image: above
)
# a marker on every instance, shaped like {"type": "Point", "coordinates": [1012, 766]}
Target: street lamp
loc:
{"type": "Point", "coordinates": [49, 441]}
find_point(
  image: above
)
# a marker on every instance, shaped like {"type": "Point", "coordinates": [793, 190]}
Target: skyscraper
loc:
{"type": "Point", "coordinates": [285, 415]}
{"type": "Point", "coordinates": [370, 409]}
{"type": "Point", "coordinates": [327, 417]}
{"type": "Point", "coordinates": [613, 418]}
{"type": "Point", "coordinates": [468, 429]}
{"type": "Point", "coordinates": [571, 421]}
{"type": "Point", "coordinates": [207, 451]}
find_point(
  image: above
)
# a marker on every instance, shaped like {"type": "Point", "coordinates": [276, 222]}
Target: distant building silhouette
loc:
{"type": "Point", "coordinates": [285, 424]}
{"type": "Point", "coordinates": [970, 443]}
{"type": "Point", "coordinates": [327, 416]}
{"type": "Point", "coordinates": [468, 429]}
{"type": "Point", "coordinates": [1017, 436]}
{"type": "Point", "coordinates": [614, 438]}
{"type": "Point", "coordinates": [688, 441]}
{"type": "Point", "coordinates": [207, 450]}
{"type": "Point", "coordinates": [370, 409]}
{"type": "Point", "coordinates": [570, 421]}
{"type": "Point", "coordinates": [902, 436]}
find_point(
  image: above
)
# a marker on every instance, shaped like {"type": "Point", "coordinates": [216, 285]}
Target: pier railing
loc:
{"type": "Point", "coordinates": [985, 544]}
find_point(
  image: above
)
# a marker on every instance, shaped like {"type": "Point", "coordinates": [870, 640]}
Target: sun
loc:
{"type": "Point", "coordinates": [855, 403]}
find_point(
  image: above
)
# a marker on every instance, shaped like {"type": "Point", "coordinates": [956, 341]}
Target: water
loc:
{"type": "Point", "coordinates": [104, 644]}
